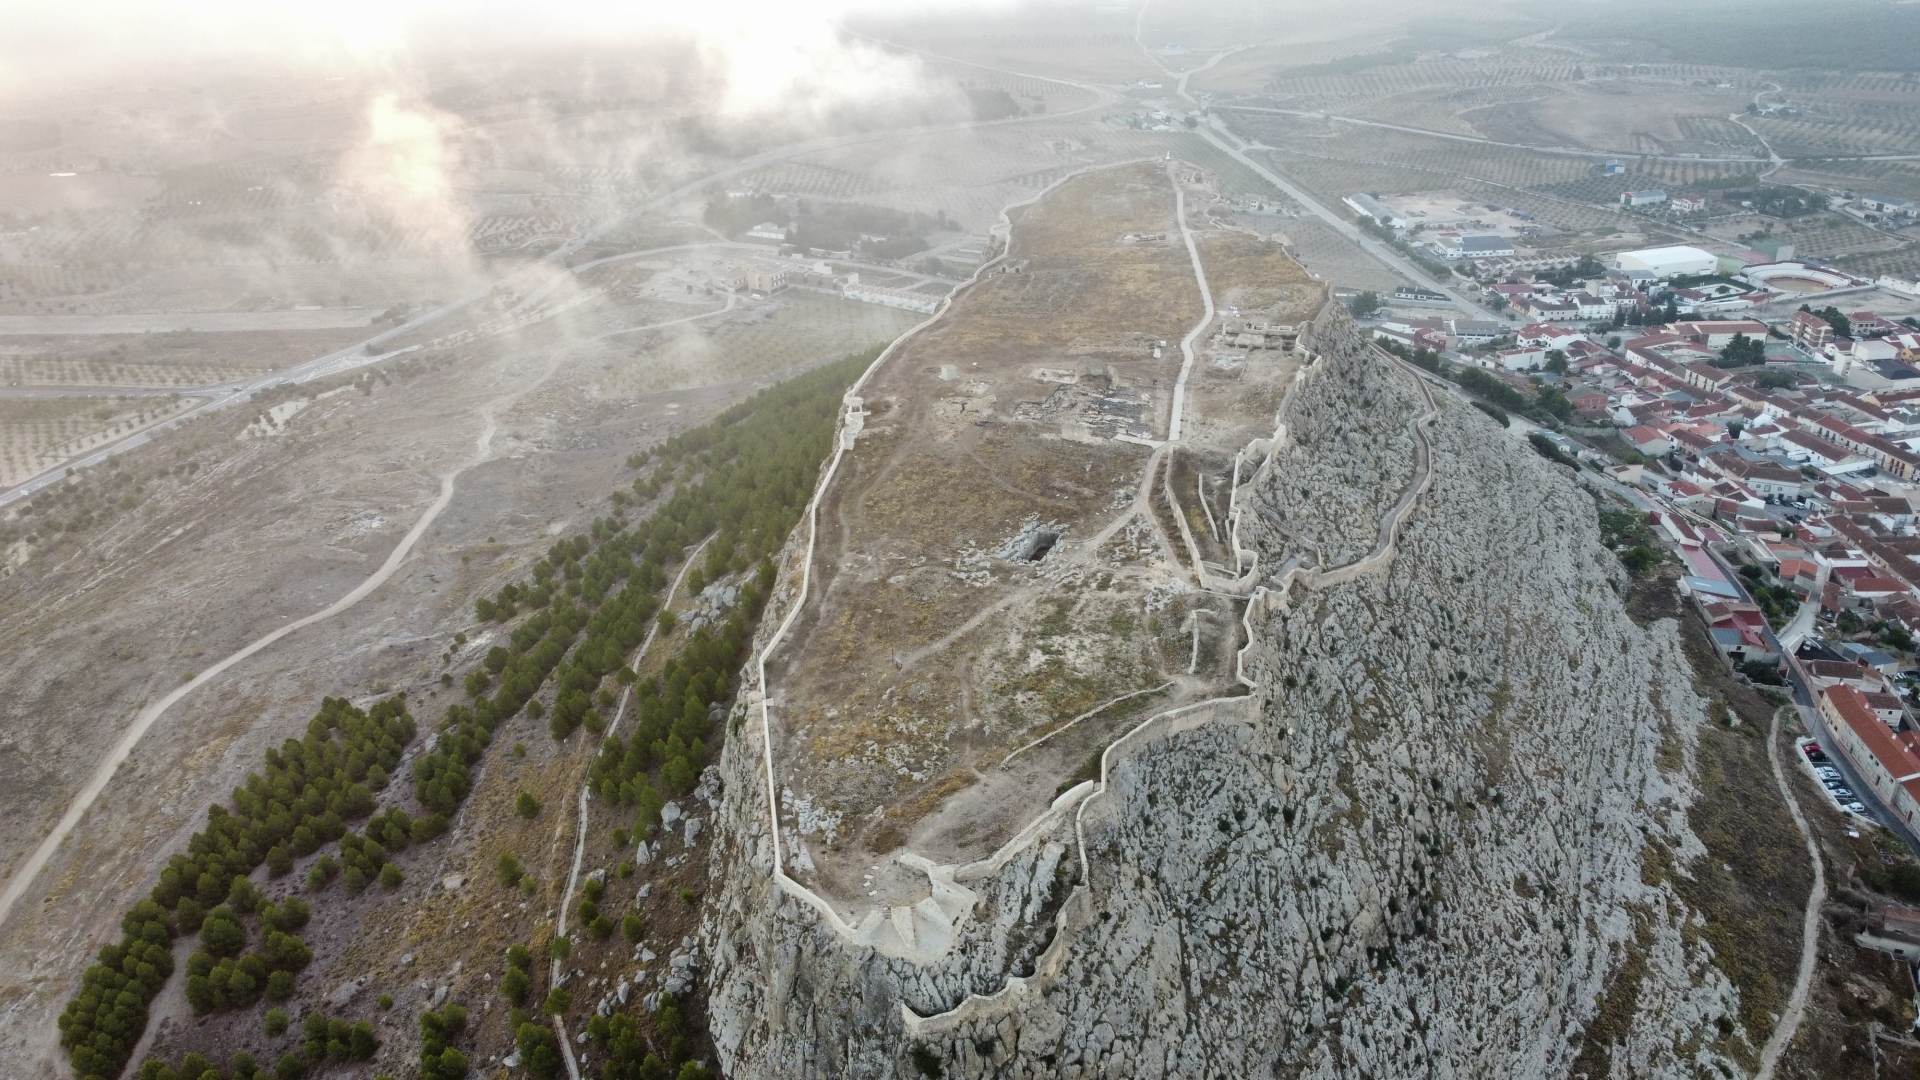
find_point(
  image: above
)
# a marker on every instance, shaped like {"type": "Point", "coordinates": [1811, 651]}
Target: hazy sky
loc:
{"type": "Point", "coordinates": [43, 38]}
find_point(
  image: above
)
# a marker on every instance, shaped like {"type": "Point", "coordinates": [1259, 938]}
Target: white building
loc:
{"type": "Point", "coordinates": [1668, 262]}
{"type": "Point", "coordinates": [1593, 307]}
{"type": "Point", "coordinates": [1474, 247]}
{"type": "Point", "coordinates": [1368, 206]}
{"type": "Point", "coordinates": [1521, 359]}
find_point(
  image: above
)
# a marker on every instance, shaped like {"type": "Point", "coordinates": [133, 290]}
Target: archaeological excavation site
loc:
{"type": "Point", "coordinates": [1271, 745]}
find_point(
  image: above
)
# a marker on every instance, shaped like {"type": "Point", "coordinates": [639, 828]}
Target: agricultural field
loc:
{"type": "Point", "coordinates": [1030, 95]}
{"type": "Point", "coordinates": [1828, 126]}
{"type": "Point", "coordinates": [1831, 236]}
{"type": "Point", "coordinates": [812, 180]}
{"type": "Point", "coordinates": [37, 434]}
{"type": "Point", "coordinates": [1900, 262]}
{"type": "Point", "coordinates": [239, 287]}
{"type": "Point", "coordinates": [180, 359]}
{"type": "Point", "coordinates": [1897, 178]}
{"type": "Point", "coordinates": [1814, 38]}
{"type": "Point", "coordinates": [1069, 50]}
{"type": "Point", "coordinates": [1337, 259]}
{"type": "Point", "coordinates": [1333, 175]}
{"type": "Point", "coordinates": [971, 175]}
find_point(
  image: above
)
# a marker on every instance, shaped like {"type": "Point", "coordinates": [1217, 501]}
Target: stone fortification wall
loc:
{"type": "Point", "coordinates": [1349, 457]}
{"type": "Point", "coordinates": [1416, 850]}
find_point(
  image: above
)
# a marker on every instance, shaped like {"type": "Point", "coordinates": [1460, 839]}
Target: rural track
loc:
{"type": "Point", "coordinates": [580, 832]}
{"type": "Point", "coordinates": [1796, 1009]}
{"type": "Point", "coordinates": [103, 774]}
{"type": "Point", "coordinates": [1175, 422]}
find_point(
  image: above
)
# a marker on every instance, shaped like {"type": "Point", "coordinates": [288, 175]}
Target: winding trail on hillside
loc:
{"type": "Point", "coordinates": [1206, 295]}
{"type": "Point", "coordinates": [122, 748]}
{"type": "Point", "coordinates": [580, 835]}
{"type": "Point", "coordinates": [1796, 1009]}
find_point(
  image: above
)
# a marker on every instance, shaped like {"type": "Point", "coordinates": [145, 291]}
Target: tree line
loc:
{"type": "Point", "coordinates": [310, 789]}
{"type": "Point", "coordinates": [743, 479]}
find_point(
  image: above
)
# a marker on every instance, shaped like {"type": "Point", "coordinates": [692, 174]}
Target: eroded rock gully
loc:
{"type": "Point", "coordinates": [1415, 850]}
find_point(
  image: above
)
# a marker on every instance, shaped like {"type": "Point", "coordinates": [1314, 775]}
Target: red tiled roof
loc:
{"type": "Point", "coordinates": [1895, 756]}
{"type": "Point", "coordinates": [1835, 669]}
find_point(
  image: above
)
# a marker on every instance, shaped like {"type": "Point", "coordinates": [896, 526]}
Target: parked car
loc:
{"type": "Point", "coordinates": [1841, 793]}
{"type": "Point", "coordinates": [1826, 771]}
{"type": "Point", "coordinates": [1857, 807]}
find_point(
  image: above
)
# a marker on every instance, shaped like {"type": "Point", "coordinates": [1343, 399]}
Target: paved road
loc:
{"type": "Point", "coordinates": [1802, 623]}
{"type": "Point", "coordinates": [1215, 132]}
{"type": "Point", "coordinates": [1233, 146]}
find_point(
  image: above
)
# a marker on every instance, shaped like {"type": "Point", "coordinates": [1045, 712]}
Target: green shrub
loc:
{"type": "Point", "coordinates": [539, 1050]}
{"type": "Point", "coordinates": [515, 986]}
{"type": "Point", "coordinates": [507, 869]}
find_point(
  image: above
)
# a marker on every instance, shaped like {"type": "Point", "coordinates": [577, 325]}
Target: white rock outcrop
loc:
{"type": "Point", "coordinates": [1415, 850]}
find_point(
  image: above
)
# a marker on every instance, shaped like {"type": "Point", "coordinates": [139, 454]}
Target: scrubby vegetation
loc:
{"type": "Point", "coordinates": [742, 480]}
{"type": "Point", "coordinates": [439, 1059]}
{"type": "Point", "coordinates": [630, 1055]}
{"type": "Point", "coordinates": [1625, 531]}
{"type": "Point", "coordinates": [311, 788]}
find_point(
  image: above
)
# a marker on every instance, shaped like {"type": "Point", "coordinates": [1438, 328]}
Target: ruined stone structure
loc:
{"type": "Point", "coordinates": [1415, 849]}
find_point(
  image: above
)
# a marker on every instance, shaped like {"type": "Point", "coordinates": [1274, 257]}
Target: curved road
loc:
{"type": "Point", "coordinates": [331, 363]}
{"type": "Point", "coordinates": [104, 772]}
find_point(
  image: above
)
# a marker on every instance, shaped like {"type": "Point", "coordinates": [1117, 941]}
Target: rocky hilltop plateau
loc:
{"type": "Point", "coordinates": [1429, 842]}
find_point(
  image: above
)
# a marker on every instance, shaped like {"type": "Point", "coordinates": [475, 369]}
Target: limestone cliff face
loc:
{"type": "Point", "coordinates": [1417, 849]}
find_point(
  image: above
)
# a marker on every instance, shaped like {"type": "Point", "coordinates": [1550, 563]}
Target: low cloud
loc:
{"type": "Point", "coordinates": [402, 171]}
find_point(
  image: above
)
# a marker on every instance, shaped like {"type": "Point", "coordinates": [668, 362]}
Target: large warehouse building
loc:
{"type": "Point", "coordinates": [1669, 262]}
